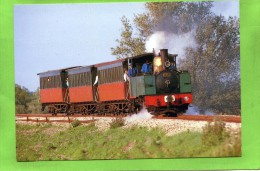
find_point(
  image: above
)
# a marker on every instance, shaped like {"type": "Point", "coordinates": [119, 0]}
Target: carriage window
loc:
{"type": "Point", "coordinates": [50, 82]}
{"type": "Point", "coordinates": [111, 75]}
{"type": "Point", "coordinates": [80, 79]}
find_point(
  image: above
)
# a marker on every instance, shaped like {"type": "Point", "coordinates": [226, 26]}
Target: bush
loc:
{"type": "Point", "coordinates": [117, 122]}
{"type": "Point", "coordinates": [232, 146]}
{"type": "Point", "coordinates": [75, 123]}
{"type": "Point", "coordinates": [214, 133]}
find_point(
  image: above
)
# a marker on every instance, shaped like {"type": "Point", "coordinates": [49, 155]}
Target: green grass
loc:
{"type": "Point", "coordinates": [117, 122]}
{"type": "Point", "coordinates": [50, 142]}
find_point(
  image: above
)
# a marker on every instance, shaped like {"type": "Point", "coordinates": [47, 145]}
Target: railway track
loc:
{"type": "Point", "coordinates": [49, 119]}
{"type": "Point", "coordinates": [90, 118]}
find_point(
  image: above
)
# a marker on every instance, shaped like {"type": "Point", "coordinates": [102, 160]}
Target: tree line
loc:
{"type": "Point", "coordinates": [26, 101]}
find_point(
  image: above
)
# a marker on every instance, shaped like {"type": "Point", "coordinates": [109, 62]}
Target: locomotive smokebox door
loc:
{"type": "Point", "coordinates": [167, 82]}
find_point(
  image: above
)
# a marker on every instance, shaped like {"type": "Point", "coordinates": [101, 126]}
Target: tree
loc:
{"type": "Point", "coordinates": [34, 105]}
{"type": "Point", "coordinates": [213, 62]}
{"type": "Point", "coordinates": [22, 97]}
{"type": "Point", "coordinates": [214, 65]}
{"type": "Point", "coordinates": [172, 17]}
{"type": "Point", "coordinates": [144, 25]}
{"type": "Point", "coordinates": [128, 45]}
{"type": "Point", "coordinates": [178, 17]}
{"type": "Point", "coordinates": [25, 101]}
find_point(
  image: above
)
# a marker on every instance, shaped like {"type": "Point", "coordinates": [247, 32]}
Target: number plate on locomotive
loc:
{"type": "Point", "coordinates": [167, 74]}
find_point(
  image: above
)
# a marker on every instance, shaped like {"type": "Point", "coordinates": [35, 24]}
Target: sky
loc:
{"type": "Point", "coordinates": [49, 37]}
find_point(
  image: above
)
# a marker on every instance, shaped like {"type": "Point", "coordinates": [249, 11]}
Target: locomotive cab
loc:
{"type": "Point", "coordinates": [138, 61]}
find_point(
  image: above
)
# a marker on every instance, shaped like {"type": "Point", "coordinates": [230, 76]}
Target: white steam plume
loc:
{"type": "Point", "coordinates": [175, 44]}
{"type": "Point", "coordinates": [156, 41]}
{"type": "Point", "coordinates": [195, 110]}
{"type": "Point", "coordinates": [142, 114]}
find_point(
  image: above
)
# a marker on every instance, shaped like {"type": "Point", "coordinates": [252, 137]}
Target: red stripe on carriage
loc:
{"type": "Point", "coordinates": [52, 95]}
{"type": "Point", "coordinates": [81, 94]}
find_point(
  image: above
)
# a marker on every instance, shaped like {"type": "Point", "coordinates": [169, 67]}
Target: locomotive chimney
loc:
{"type": "Point", "coordinates": [164, 56]}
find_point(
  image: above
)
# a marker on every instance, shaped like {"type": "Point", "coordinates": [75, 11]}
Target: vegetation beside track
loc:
{"type": "Point", "coordinates": [82, 142]}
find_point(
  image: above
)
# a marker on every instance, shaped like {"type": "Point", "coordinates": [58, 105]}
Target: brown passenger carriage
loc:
{"type": "Point", "coordinates": [53, 90]}
{"type": "Point", "coordinates": [81, 90]}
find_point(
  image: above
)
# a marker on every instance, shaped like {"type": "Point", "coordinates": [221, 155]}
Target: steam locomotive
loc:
{"type": "Point", "coordinates": [105, 88]}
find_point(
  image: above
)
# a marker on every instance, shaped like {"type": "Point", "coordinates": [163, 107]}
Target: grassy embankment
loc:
{"type": "Point", "coordinates": [50, 142]}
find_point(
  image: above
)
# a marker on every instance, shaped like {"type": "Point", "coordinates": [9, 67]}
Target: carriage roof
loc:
{"type": "Point", "coordinates": [99, 66]}
{"type": "Point", "coordinates": [54, 72]}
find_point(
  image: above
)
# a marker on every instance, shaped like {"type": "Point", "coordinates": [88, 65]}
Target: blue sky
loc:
{"type": "Point", "coordinates": [49, 37]}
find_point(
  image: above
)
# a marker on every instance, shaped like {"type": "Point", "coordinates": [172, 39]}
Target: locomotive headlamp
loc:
{"type": "Point", "coordinates": [173, 98]}
{"type": "Point", "coordinates": [169, 98]}
{"type": "Point", "coordinates": [167, 63]}
{"type": "Point", "coordinates": [186, 98]}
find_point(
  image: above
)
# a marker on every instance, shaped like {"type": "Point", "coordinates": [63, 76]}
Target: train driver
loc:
{"type": "Point", "coordinates": [132, 71]}
{"type": "Point", "coordinates": [173, 66]}
{"type": "Point", "coordinates": [146, 68]}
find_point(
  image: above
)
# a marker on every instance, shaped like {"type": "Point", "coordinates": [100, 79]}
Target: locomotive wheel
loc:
{"type": "Point", "coordinates": [180, 114]}
{"type": "Point", "coordinates": [155, 113]}
{"type": "Point", "coordinates": [151, 109]}
{"type": "Point", "coordinates": [137, 110]}
{"type": "Point", "coordinates": [154, 110]}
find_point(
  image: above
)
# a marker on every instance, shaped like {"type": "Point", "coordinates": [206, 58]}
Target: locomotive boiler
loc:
{"type": "Point", "coordinates": [109, 87]}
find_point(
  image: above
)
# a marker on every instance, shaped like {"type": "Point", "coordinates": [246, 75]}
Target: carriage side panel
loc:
{"type": "Point", "coordinates": [81, 94]}
{"type": "Point", "coordinates": [53, 86]}
{"type": "Point", "coordinates": [52, 95]}
{"type": "Point", "coordinates": [80, 84]}
{"type": "Point", "coordinates": [112, 91]}
{"type": "Point", "coordinates": [111, 85]}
